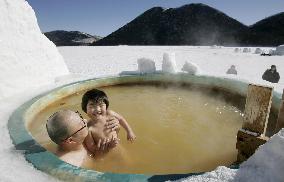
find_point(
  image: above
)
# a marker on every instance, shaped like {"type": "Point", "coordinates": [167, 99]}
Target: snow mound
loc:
{"type": "Point", "coordinates": [146, 65]}
{"type": "Point", "coordinates": [27, 57]}
{"type": "Point", "coordinates": [169, 63]}
{"type": "Point", "coordinates": [190, 68]}
{"type": "Point", "coordinates": [258, 51]}
{"type": "Point", "coordinates": [280, 50]}
{"type": "Point", "coordinates": [246, 50]}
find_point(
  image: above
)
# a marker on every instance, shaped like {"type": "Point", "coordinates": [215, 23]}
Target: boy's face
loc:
{"type": "Point", "coordinates": [96, 109]}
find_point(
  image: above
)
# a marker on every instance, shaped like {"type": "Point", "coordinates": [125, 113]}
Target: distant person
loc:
{"type": "Point", "coordinates": [95, 103]}
{"type": "Point", "coordinates": [271, 75]}
{"type": "Point", "coordinates": [232, 70]}
{"type": "Point", "coordinates": [68, 130]}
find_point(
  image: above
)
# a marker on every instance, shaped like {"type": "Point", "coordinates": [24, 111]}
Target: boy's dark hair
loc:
{"type": "Point", "coordinates": [94, 95]}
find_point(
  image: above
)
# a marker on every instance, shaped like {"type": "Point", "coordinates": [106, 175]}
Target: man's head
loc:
{"type": "Point", "coordinates": [66, 127]}
{"type": "Point", "coordinates": [94, 102]}
{"type": "Point", "coordinates": [233, 66]}
{"type": "Point", "coordinates": [273, 67]}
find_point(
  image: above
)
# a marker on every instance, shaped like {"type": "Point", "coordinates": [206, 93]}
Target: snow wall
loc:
{"type": "Point", "coordinates": [27, 58]}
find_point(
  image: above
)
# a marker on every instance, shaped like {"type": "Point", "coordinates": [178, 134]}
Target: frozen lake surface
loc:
{"type": "Point", "coordinates": [105, 60]}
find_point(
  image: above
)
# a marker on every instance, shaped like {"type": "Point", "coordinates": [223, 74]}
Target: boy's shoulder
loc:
{"type": "Point", "coordinates": [92, 128]}
{"type": "Point", "coordinates": [92, 125]}
{"type": "Point", "coordinates": [111, 113]}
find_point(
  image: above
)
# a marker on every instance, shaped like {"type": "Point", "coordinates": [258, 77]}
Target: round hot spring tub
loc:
{"type": "Point", "coordinates": [185, 125]}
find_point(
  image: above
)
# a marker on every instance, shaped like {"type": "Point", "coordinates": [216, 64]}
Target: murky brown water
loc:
{"type": "Point", "coordinates": [178, 130]}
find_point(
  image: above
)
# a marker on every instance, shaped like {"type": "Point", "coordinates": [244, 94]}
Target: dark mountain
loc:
{"type": "Point", "coordinates": [70, 38]}
{"type": "Point", "coordinates": [267, 32]}
{"type": "Point", "coordinates": [195, 24]}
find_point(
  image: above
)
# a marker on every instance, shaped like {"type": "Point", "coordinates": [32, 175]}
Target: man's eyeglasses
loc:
{"type": "Point", "coordinates": [85, 125]}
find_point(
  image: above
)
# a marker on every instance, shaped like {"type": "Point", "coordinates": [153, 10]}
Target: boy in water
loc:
{"type": "Point", "coordinates": [95, 103]}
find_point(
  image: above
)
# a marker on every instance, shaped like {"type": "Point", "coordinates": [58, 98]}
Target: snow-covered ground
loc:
{"type": "Point", "coordinates": [99, 61]}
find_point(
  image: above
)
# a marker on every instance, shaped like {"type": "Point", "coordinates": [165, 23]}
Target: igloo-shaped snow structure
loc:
{"type": "Point", "coordinates": [280, 50]}
{"type": "Point", "coordinates": [169, 63]}
{"type": "Point", "coordinates": [28, 58]}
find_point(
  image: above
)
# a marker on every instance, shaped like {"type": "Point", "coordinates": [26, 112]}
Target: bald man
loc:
{"type": "Point", "coordinates": [68, 130]}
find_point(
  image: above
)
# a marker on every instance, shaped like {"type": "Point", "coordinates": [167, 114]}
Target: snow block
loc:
{"type": "Point", "coordinates": [280, 50]}
{"type": "Point", "coordinates": [146, 65]}
{"type": "Point", "coordinates": [169, 63]}
{"type": "Point", "coordinates": [258, 51]}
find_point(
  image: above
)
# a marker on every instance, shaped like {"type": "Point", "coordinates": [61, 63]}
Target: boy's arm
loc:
{"type": "Point", "coordinates": [90, 143]}
{"type": "Point", "coordinates": [100, 146]}
{"type": "Point", "coordinates": [130, 134]}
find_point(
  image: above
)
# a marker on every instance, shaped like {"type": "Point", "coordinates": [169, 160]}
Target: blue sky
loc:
{"type": "Point", "coordinates": [102, 17]}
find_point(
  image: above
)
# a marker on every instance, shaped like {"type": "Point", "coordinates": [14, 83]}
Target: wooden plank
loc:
{"type": "Point", "coordinates": [247, 144]}
{"type": "Point", "coordinates": [258, 103]}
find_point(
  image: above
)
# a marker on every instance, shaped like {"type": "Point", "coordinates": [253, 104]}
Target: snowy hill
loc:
{"type": "Point", "coordinates": [269, 31]}
{"type": "Point", "coordinates": [195, 24]}
{"type": "Point", "coordinates": [70, 38]}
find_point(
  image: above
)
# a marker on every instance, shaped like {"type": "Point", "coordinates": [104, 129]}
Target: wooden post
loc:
{"type": "Point", "coordinates": [251, 136]}
{"type": "Point", "coordinates": [280, 120]}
